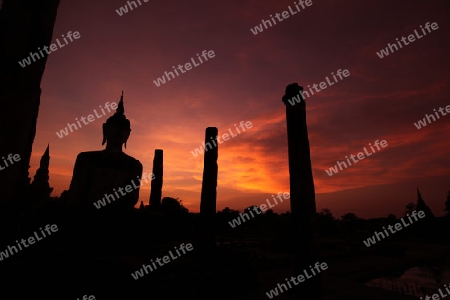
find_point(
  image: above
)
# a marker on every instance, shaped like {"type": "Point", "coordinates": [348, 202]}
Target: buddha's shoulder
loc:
{"type": "Point", "coordinates": [132, 160]}
{"type": "Point", "coordinates": [101, 155]}
{"type": "Point", "coordinates": [89, 155]}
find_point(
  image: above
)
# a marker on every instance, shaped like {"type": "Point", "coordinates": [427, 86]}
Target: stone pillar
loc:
{"type": "Point", "coordinates": [40, 190]}
{"type": "Point", "coordinates": [25, 25]}
{"type": "Point", "coordinates": [157, 183]}
{"type": "Point", "coordinates": [209, 185]}
{"type": "Point", "coordinates": [303, 203]}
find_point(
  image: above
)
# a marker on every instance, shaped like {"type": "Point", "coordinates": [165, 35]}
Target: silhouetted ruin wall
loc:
{"type": "Point", "coordinates": [25, 25]}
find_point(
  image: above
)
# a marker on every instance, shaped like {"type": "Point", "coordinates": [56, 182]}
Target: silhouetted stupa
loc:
{"type": "Point", "coordinates": [422, 206]}
{"type": "Point", "coordinates": [40, 187]}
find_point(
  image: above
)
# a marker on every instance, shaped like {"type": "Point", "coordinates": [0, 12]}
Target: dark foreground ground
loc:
{"type": "Point", "coordinates": [248, 262]}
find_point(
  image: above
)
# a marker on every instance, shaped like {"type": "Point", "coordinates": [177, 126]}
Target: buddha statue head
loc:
{"type": "Point", "coordinates": [117, 129]}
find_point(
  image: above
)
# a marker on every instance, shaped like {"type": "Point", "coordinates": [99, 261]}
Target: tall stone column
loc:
{"type": "Point", "coordinates": [157, 183]}
{"type": "Point", "coordinates": [209, 186]}
{"type": "Point", "coordinates": [303, 203]}
{"type": "Point", "coordinates": [25, 25]}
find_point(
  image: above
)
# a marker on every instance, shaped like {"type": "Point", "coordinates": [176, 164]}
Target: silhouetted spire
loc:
{"type": "Point", "coordinates": [422, 206]}
{"type": "Point", "coordinates": [419, 198]}
{"type": "Point", "coordinates": [45, 159]}
{"type": "Point", "coordinates": [40, 185]}
{"type": "Point", "coordinates": [120, 109]}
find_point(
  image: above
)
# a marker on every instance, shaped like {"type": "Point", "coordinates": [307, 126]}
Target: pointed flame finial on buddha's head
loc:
{"type": "Point", "coordinates": [117, 128]}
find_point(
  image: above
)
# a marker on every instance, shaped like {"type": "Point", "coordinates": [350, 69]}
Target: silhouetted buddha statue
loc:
{"type": "Point", "coordinates": [109, 178]}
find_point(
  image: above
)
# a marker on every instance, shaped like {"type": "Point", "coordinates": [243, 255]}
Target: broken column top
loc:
{"type": "Point", "coordinates": [292, 90]}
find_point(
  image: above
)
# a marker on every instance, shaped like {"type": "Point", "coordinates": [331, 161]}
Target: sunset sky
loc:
{"type": "Point", "coordinates": [380, 100]}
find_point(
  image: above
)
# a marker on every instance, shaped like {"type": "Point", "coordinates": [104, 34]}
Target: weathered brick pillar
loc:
{"type": "Point", "coordinates": [208, 196]}
{"type": "Point", "coordinates": [303, 203]}
{"type": "Point", "coordinates": [157, 183]}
